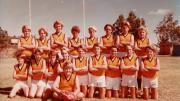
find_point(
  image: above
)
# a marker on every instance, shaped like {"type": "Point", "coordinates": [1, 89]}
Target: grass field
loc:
{"type": "Point", "coordinates": [169, 82]}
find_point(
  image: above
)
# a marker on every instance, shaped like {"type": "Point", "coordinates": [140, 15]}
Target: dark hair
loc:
{"type": "Point", "coordinates": [107, 26]}
{"type": "Point", "coordinates": [58, 23]}
{"type": "Point", "coordinates": [42, 29]}
{"type": "Point", "coordinates": [75, 28]}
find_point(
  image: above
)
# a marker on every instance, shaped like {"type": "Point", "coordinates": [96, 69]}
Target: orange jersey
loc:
{"type": "Point", "coordinates": [150, 64]}
{"type": "Point", "coordinates": [107, 42]}
{"type": "Point", "coordinates": [67, 85]}
{"type": "Point", "coordinates": [91, 42]}
{"type": "Point", "coordinates": [21, 70]}
{"type": "Point", "coordinates": [74, 42]}
{"type": "Point", "coordinates": [123, 39]}
{"type": "Point", "coordinates": [53, 69]}
{"type": "Point", "coordinates": [80, 63]}
{"type": "Point", "coordinates": [96, 62]}
{"type": "Point", "coordinates": [129, 62]}
{"type": "Point", "coordinates": [37, 65]}
{"type": "Point", "coordinates": [113, 62]}
{"type": "Point", "coordinates": [26, 41]}
{"type": "Point", "coordinates": [141, 43]}
{"type": "Point", "coordinates": [58, 38]}
{"type": "Point", "coordinates": [42, 43]}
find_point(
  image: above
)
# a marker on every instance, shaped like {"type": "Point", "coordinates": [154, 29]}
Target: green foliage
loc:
{"type": "Point", "coordinates": [167, 30]}
{"type": "Point", "coordinates": [134, 21]}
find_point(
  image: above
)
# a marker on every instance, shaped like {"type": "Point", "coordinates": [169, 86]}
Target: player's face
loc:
{"type": "Point", "coordinates": [81, 52]}
{"type": "Point", "coordinates": [91, 32]}
{"type": "Point", "coordinates": [26, 32]}
{"type": "Point", "coordinates": [65, 55]}
{"type": "Point", "coordinates": [42, 34]}
{"type": "Point", "coordinates": [38, 55]}
{"type": "Point", "coordinates": [108, 30]}
{"type": "Point", "coordinates": [114, 52]}
{"type": "Point", "coordinates": [58, 28]}
{"type": "Point", "coordinates": [142, 33]}
{"type": "Point", "coordinates": [68, 71]}
{"type": "Point", "coordinates": [20, 60]}
{"type": "Point", "coordinates": [129, 51]}
{"type": "Point", "coordinates": [125, 29]}
{"type": "Point", "coordinates": [150, 53]}
{"type": "Point", "coordinates": [75, 34]}
{"type": "Point", "coordinates": [97, 50]}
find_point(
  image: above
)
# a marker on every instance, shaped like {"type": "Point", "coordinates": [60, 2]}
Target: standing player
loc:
{"type": "Point", "coordinates": [75, 42]}
{"type": "Point", "coordinates": [26, 43]}
{"type": "Point", "coordinates": [58, 39]}
{"type": "Point", "coordinates": [81, 68]}
{"type": "Point", "coordinates": [91, 40]}
{"type": "Point", "coordinates": [150, 68]}
{"type": "Point", "coordinates": [43, 44]}
{"type": "Point", "coordinates": [113, 74]}
{"type": "Point", "coordinates": [129, 66]}
{"type": "Point", "coordinates": [124, 39]}
{"type": "Point", "coordinates": [107, 41]}
{"type": "Point", "coordinates": [140, 45]}
{"type": "Point", "coordinates": [97, 67]}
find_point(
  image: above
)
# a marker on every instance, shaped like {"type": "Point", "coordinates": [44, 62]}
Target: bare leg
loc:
{"type": "Point", "coordinates": [102, 91]}
{"type": "Point", "coordinates": [108, 93]}
{"type": "Point", "coordinates": [123, 91]}
{"type": "Point", "coordinates": [91, 92]}
{"type": "Point", "coordinates": [145, 93]}
{"type": "Point", "coordinates": [133, 92]}
{"type": "Point", "coordinates": [115, 93]}
{"type": "Point", "coordinates": [84, 89]}
{"type": "Point", "coordinates": [154, 93]}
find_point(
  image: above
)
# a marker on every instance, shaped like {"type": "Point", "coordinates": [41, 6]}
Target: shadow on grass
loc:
{"type": "Point", "coordinates": [5, 90]}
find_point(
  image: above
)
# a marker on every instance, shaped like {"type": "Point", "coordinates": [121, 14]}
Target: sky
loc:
{"type": "Point", "coordinates": [15, 13]}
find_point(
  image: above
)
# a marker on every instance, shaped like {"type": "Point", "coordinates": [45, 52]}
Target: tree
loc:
{"type": "Point", "coordinates": [134, 21]}
{"type": "Point", "coordinates": [117, 24]}
{"type": "Point", "coordinates": [166, 29]}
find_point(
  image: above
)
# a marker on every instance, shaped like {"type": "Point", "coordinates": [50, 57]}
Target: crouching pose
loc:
{"type": "Point", "coordinates": [36, 72]}
{"type": "Point", "coordinates": [20, 74]}
{"type": "Point", "coordinates": [66, 86]}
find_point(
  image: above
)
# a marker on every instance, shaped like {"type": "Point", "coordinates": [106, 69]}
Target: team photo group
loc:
{"type": "Point", "coordinates": [110, 66]}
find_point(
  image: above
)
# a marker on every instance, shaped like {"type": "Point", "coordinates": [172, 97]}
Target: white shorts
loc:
{"type": "Point", "coordinates": [49, 84]}
{"type": "Point", "coordinates": [113, 83]}
{"type": "Point", "coordinates": [150, 83]}
{"type": "Point", "coordinates": [129, 81]}
{"type": "Point", "coordinates": [83, 80]}
{"type": "Point", "coordinates": [40, 83]}
{"type": "Point", "coordinates": [21, 84]}
{"type": "Point", "coordinates": [97, 81]}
